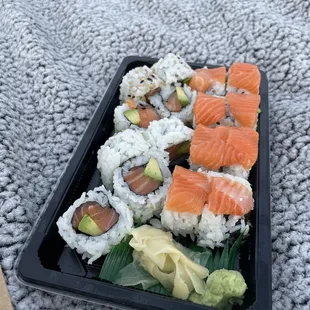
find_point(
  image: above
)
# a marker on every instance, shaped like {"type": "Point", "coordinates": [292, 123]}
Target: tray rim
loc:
{"type": "Point", "coordinates": [31, 278]}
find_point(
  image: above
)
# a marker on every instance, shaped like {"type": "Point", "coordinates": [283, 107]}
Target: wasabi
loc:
{"type": "Point", "coordinates": [223, 289]}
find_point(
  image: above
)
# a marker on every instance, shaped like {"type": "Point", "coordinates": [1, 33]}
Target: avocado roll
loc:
{"type": "Point", "coordinates": [118, 149]}
{"type": "Point", "coordinates": [143, 183]}
{"type": "Point", "coordinates": [138, 84]}
{"type": "Point", "coordinates": [94, 223]}
{"type": "Point", "coordinates": [170, 135]}
{"type": "Point", "coordinates": [175, 100]}
{"type": "Point", "coordinates": [172, 68]}
{"type": "Point", "coordinates": [131, 115]}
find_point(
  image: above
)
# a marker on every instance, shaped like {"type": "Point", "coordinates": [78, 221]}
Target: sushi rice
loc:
{"type": "Point", "coordinates": [167, 132]}
{"type": "Point", "coordinates": [117, 149]}
{"type": "Point", "coordinates": [186, 114]}
{"type": "Point", "coordinates": [172, 68]}
{"type": "Point", "coordinates": [138, 82]}
{"type": "Point", "coordinates": [144, 207]}
{"type": "Point", "coordinates": [180, 223]}
{"type": "Point", "coordinates": [213, 229]}
{"type": "Point", "coordinates": [92, 247]}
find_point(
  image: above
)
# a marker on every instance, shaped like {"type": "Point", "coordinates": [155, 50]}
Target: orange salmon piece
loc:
{"type": "Point", "coordinates": [244, 108]}
{"type": "Point", "coordinates": [229, 197]}
{"type": "Point", "coordinates": [203, 79]}
{"type": "Point", "coordinates": [188, 191]}
{"type": "Point", "coordinates": [244, 76]}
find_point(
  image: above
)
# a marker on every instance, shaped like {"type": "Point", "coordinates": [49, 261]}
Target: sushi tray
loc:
{"type": "Point", "coordinates": [166, 202]}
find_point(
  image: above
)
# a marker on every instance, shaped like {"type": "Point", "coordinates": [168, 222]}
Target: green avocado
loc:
{"type": "Point", "coordinates": [152, 170]}
{"type": "Point", "coordinates": [182, 96]}
{"type": "Point", "coordinates": [184, 148]}
{"type": "Point", "coordinates": [133, 116]}
{"type": "Point", "coordinates": [89, 227]}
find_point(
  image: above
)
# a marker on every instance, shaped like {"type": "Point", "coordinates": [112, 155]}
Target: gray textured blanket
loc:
{"type": "Point", "coordinates": [56, 59]}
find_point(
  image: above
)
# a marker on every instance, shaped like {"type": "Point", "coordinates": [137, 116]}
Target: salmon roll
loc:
{"type": "Point", "coordinates": [209, 110]}
{"type": "Point", "coordinates": [228, 201]}
{"type": "Point", "coordinates": [175, 101]}
{"type": "Point", "coordinates": [118, 149]}
{"type": "Point", "coordinates": [229, 148]}
{"type": "Point", "coordinates": [132, 115]}
{"type": "Point", "coordinates": [185, 201]}
{"type": "Point", "coordinates": [170, 135]}
{"type": "Point", "coordinates": [242, 110]}
{"type": "Point", "coordinates": [142, 182]}
{"type": "Point", "coordinates": [94, 223]}
{"type": "Point", "coordinates": [138, 84]}
{"type": "Point", "coordinates": [209, 81]}
{"type": "Point", "coordinates": [243, 78]}
{"type": "Point", "coordinates": [172, 69]}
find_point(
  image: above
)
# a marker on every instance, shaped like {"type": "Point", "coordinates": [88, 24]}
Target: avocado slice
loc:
{"type": "Point", "coordinates": [187, 80]}
{"type": "Point", "coordinates": [184, 148]}
{"type": "Point", "coordinates": [133, 116]}
{"type": "Point", "coordinates": [89, 227]}
{"type": "Point", "coordinates": [152, 170]}
{"type": "Point", "coordinates": [182, 97]}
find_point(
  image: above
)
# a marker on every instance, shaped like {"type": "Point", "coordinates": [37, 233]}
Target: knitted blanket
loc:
{"type": "Point", "coordinates": [56, 59]}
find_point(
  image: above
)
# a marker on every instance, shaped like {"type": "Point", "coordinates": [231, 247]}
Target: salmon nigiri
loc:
{"type": "Point", "coordinates": [229, 195]}
{"type": "Point", "coordinates": [243, 78]}
{"type": "Point", "coordinates": [244, 108]}
{"type": "Point", "coordinates": [209, 80]}
{"type": "Point", "coordinates": [214, 148]}
{"type": "Point", "coordinates": [188, 191]}
{"type": "Point", "coordinates": [209, 110]}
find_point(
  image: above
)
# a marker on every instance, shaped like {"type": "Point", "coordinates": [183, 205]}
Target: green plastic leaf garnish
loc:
{"type": "Point", "coordinates": [233, 253]}
{"type": "Point", "coordinates": [134, 274]}
{"type": "Point", "coordinates": [119, 257]}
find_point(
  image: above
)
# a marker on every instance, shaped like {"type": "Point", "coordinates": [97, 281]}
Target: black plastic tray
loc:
{"type": "Point", "coordinates": [46, 262]}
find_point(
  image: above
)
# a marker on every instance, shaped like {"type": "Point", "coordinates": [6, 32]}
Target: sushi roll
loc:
{"type": "Point", "coordinates": [243, 78]}
{"type": "Point", "coordinates": [138, 84]}
{"type": "Point", "coordinates": [209, 81]}
{"type": "Point", "coordinates": [118, 149]}
{"type": "Point", "coordinates": [229, 199]}
{"type": "Point", "coordinates": [170, 135]}
{"type": "Point", "coordinates": [242, 109]}
{"type": "Point", "coordinates": [143, 183]}
{"type": "Point", "coordinates": [185, 201]}
{"type": "Point", "coordinates": [209, 110]}
{"type": "Point", "coordinates": [239, 110]}
{"type": "Point", "coordinates": [172, 68]}
{"type": "Point", "coordinates": [175, 100]}
{"type": "Point", "coordinates": [233, 149]}
{"type": "Point", "coordinates": [134, 115]}
{"type": "Point", "coordinates": [95, 223]}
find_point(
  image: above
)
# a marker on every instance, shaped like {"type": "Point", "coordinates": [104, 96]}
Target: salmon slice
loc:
{"type": "Point", "coordinates": [209, 110]}
{"type": "Point", "coordinates": [105, 217]}
{"type": "Point", "coordinates": [208, 146]}
{"type": "Point", "coordinates": [147, 114]}
{"type": "Point", "coordinates": [244, 77]}
{"type": "Point", "coordinates": [230, 197]}
{"type": "Point", "coordinates": [241, 147]}
{"type": "Point", "coordinates": [173, 103]}
{"type": "Point", "coordinates": [140, 183]}
{"type": "Point", "coordinates": [244, 108]}
{"type": "Point", "coordinates": [151, 93]}
{"type": "Point", "coordinates": [188, 191]}
{"type": "Point", "coordinates": [204, 79]}
{"type": "Point", "coordinates": [214, 148]}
